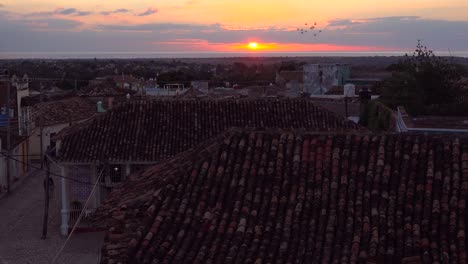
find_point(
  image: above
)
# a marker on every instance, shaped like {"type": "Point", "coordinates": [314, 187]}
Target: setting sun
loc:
{"type": "Point", "coordinates": [253, 45]}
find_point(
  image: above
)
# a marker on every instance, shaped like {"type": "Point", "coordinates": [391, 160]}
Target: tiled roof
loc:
{"type": "Point", "coordinates": [266, 90]}
{"type": "Point", "coordinates": [192, 93]}
{"type": "Point", "coordinates": [153, 130]}
{"type": "Point", "coordinates": [338, 106]}
{"type": "Point", "coordinates": [106, 86]}
{"type": "Point", "coordinates": [62, 111]}
{"type": "Point", "coordinates": [101, 90]}
{"type": "Point", "coordinates": [47, 97]}
{"type": "Point", "coordinates": [292, 197]}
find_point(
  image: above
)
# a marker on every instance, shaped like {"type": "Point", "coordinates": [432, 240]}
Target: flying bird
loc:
{"type": "Point", "coordinates": [312, 29]}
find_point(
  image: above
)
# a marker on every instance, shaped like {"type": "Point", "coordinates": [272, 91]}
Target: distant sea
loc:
{"type": "Point", "coordinates": [165, 55]}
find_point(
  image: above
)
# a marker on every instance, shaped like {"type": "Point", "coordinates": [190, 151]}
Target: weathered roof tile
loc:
{"type": "Point", "coordinates": [63, 111]}
{"type": "Point", "coordinates": [154, 130]}
{"type": "Point", "coordinates": [342, 204]}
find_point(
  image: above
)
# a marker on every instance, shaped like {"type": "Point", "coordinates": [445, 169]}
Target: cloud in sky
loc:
{"type": "Point", "coordinates": [148, 12]}
{"type": "Point", "coordinates": [63, 11]}
{"type": "Point", "coordinates": [67, 11]}
{"type": "Point", "coordinates": [342, 22]}
{"type": "Point", "coordinates": [160, 27]}
{"type": "Point", "coordinates": [116, 11]}
{"type": "Point", "coordinates": [394, 33]}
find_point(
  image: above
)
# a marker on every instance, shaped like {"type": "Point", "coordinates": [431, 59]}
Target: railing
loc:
{"type": "Point", "coordinates": [74, 214]}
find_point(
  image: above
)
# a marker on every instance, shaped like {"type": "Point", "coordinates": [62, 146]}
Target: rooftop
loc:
{"type": "Point", "coordinates": [62, 111]}
{"type": "Point", "coordinates": [153, 130]}
{"type": "Point", "coordinates": [338, 106]}
{"type": "Point", "coordinates": [434, 122]}
{"type": "Point", "coordinates": [277, 196]}
{"type": "Point", "coordinates": [101, 90]}
{"type": "Point", "coordinates": [46, 97]}
{"type": "Point", "coordinates": [439, 122]}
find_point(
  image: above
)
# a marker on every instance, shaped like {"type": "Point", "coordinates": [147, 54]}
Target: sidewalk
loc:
{"type": "Point", "coordinates": [16, 184]}
{"type": "Point", "coordinates": [21, 228]}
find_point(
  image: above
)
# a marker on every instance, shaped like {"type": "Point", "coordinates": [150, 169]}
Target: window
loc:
{"type": "Point", "coordinates": [116, 172]}
{"type": "Point", "coordinates": [112, 173]}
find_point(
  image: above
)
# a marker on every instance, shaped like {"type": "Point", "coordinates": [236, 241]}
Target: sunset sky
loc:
{"type": "Point", "coordinates": [229, 25]}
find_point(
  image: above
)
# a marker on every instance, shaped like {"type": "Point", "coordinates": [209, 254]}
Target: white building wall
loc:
{"type": "Point", "coordinates": [331, 74]}
{"type": "Point", "coordinates": [14, 169]}
{"type": "Point", "coordinates": [35, 138]}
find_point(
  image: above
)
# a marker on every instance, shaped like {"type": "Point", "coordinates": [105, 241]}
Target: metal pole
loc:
{"type": "Point", "coordinates": [46, 205]}
{"type": "Point", "coordinates": [40, 132]}
{"type": "Point", "coordinates": [8, 138]}
{"type": "Point", "coordinates": [346, 106]}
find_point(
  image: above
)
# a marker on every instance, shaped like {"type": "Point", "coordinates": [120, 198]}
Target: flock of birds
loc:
{"type": "Point", "coordinates": [312, 28]}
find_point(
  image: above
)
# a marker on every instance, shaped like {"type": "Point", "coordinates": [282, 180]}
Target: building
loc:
{"type": "Point", "coordinates": [295, 197]}
{"type": "Point", "coordinates": [49, 118]}
{"type": "Point", "coordinates": [9, 123]}
{"type": "Point", "coordinates": [173, 89]}
{"type": "Point", "coordinates": [145, 132]}
{"type": "Point", "coordinates": [19, 163]}
{"type": "Point", "coordinates": [291, 81]}
{"type": "Point", "coordinates": [200, 85]}
{"type": "Point", "coordinates": [122, 82]}
{"type": "Point", "coordinates": [106, 91]}
{"type": "Point", "coordinates": [21, 86]}
{"type": "Point", "coordinates": [319, 78]}
{"type": "Point", "coordinates": [259, 91]}
{"type": "Point", "coordinates": [430, 124]}
{"type": "Point", "coordinates": [345, 107]}
{"type": "Point", "coordinates": [5, 102]}
{"type": "Point", "coordinates": [365, 83]}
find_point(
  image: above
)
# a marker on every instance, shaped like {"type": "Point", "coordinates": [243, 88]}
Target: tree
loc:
{"type": "Point", "coordinates": [402, 89]}
{"type": "Point", "coordinates": [422, 79]}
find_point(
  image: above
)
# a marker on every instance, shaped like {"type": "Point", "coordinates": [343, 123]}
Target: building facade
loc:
{"type": "Point", "coordinates": [319, 78]}
{"type": "Point", "coordinates": [18, 159]}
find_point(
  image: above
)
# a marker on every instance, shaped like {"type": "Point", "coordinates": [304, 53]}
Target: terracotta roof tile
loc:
{"type": "Point", "coordinates": [153, 130]}
{"type": "Point", "coordinates": [62, 111]}
{"type": "Point", "coordinates": [276, 196]}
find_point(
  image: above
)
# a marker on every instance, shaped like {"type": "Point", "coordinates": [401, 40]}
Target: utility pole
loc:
{"type": "Point", "coordinates": [346, 106]}
{"type": "Point", "coordinates": [321, 80]}
{"type": "Point", "coordinates": [46, 205]}
{"type": "Point", "coordinates": [40, 132]}
{"type": "Point", "coordinates": [8, 137]}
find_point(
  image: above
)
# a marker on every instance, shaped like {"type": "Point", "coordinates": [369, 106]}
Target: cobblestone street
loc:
{"type": "Point", "coordinates": [21, 216]}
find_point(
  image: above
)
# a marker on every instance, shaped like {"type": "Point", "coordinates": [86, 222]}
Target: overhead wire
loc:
{"type": "Point", "coordinates": [53, 174]}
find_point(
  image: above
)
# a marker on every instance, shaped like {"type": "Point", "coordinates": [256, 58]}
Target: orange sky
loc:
{"type": "Point", "coordinates": [267, 47]}
{"type": "Point", "coordinates": [271, 23]}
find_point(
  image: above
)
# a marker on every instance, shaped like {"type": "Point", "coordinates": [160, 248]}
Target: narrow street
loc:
{"type": "Point", "coordinates": [21, 216]}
